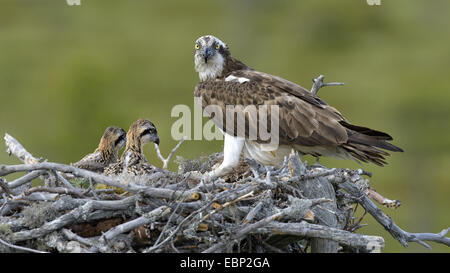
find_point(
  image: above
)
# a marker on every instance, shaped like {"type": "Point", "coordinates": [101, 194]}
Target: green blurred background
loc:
{"type": "Point", "coordinates": [68, 72]}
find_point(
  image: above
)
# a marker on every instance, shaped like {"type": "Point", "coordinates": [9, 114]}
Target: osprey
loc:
{"type": "Point", "coordinates": [306, 123]}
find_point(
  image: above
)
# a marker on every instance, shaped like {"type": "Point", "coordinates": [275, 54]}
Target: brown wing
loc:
{"type": "Point", "coordinates": [304, 119]}
{"type": "Point", "coordinates": [91, 162]}
{"type": "Point", "coordinates": [92, 166]}
{"type": "Point", "coordinates": [280, 83]}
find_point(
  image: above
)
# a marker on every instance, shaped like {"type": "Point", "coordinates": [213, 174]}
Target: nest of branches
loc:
{"type": "Point", "coordinates": [296, 208]}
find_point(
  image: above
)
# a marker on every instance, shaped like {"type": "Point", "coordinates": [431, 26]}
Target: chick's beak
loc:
{"type": "Point", "coordinates": [156, 139]}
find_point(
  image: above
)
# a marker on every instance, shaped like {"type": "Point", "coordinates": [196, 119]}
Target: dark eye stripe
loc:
{"type": "Point", "coordinates": [146, 131]}
{"type": "Point", "coordinates": [122, 137]}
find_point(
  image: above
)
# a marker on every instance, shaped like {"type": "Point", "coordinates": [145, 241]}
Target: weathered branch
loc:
{"type": "Point", "coordinates": [318, 83]}
{"type": "Point", "coordinates": [166, 160]}
{"type": "Point", "coordinates": [296, 211]}
{"type": "Point", "coordinates": [143, 220]}
{"type": "Point", "coordinates": [78, 214]}
{"type": "Point", "coordinates": [21, 247]}
{"type": "Point", "coordinates": [382, 200]}
{"type": "Point", "coordinates": [369, 243]}
{"type": "Point", "coordinates": [399, 234]}
{"type": "Point", "coordinates": [99, 178]}
{"type": "Point", "coordinates": [15, 148]}
{"type": "Point", "coordinates": [25, 179]}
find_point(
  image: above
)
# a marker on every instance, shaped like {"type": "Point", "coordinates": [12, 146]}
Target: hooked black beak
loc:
{"type": "Point", "coordinates": [207, 53]}
{"type": "Point", "coordinates": [156, 141]}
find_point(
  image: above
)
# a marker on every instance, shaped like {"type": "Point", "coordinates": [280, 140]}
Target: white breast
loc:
{"type": "Point", "coordinates": [264, 155]}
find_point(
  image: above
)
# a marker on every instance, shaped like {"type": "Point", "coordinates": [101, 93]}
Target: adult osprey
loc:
{"type": "Point", "coordinates": [305, 122]}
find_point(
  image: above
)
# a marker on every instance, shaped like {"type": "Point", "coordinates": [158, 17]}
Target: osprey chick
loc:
{"type": "Point", "coordinates": [306, 123]}
{"type": "Point", "coordinates": [133, 161]}
{"type": "Point", "coordinates": [112, 141]}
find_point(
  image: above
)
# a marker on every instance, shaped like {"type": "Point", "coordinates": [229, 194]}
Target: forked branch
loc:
{"type": "Point", "coordinates": [318, 83]}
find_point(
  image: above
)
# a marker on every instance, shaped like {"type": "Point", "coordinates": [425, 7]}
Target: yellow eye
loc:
{"type": "Point", "coordinates": [217, 46]}
{"type": "Point", "coordinates": [197, 46]}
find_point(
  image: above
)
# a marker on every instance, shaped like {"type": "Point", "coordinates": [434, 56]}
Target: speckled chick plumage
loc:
{"type": "Point", "coordinates": [112, 141]}
{"type": "Point", "coordinates": [133, 161]}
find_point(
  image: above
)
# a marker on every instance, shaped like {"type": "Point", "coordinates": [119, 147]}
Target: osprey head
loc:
{"type": "Point", "coordinates": [114, 138]}
{"type": "Point", "coordinates": [141, 132]}
{"type": "Point", "coordinates": [209, 57]}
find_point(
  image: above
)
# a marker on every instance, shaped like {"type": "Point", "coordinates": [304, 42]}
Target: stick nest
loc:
{"type": "Point", "coordinates": [295, 208]}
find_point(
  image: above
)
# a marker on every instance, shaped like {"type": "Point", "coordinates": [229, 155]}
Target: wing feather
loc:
{"type": "Point", "coordinates": [304, 119]}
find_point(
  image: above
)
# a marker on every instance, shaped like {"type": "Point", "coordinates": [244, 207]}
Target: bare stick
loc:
{"type": "Point", "coordinates": [244, 231]}
{"type": "Point", "coordinates": [69, 218]}
{"type": "Point", "coordinates": [318, 83]}
{"type": "Point", "coordinates": [180, 225]}
{"type": "Point", "coordinates": [166, 160]}
{"type": "Point", "coordinates": [371, 243]}
{"type": "Point", "coordinates": [432, 237]}
{"type": "Point", "coordinates": [399, 234]}
{"type": "Point", "coordinates": [59, 190]}
{"type": "Point", "coordinates": [314, 175]}
{"type": "Point", "coordinates": [253, 212]}
{"type": "Point", "coordinates": [66, 183]}
{"type": "Point", "coordinates": [227, 204]}
{"type": "Point", "coordinates": [21, 247]}
{"type": "Point", "coordinates": [15, 148]}
{"type": "Point", "coordinates": [388, 203]}
{"type": "Point", "coordinates": [100, 178]}
{"type": "Point", "coordinates": [168, 222]}
{"type": "Point", "coordinates": [25, 179]}
{"type": "Point", "coordinates": [5, 187]}
{"type": "Point", "coordinates": [8, 169]}
{"type": "Point", "coordinates": [299, 207]}
{"type": "Point", "coordinates": [130, 225]}
{"type": "Point", "coordinates": [72, 236]}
